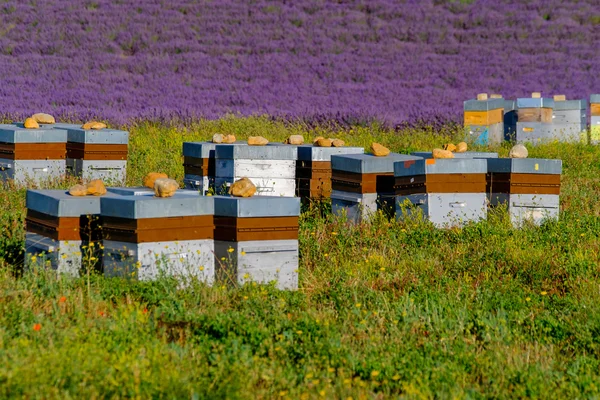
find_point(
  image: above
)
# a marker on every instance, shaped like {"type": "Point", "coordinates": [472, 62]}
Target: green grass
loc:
{"type": "Point", "coordinates": [384, 308]}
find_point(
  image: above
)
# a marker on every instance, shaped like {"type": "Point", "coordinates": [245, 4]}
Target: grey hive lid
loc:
{"type": "Point", "coordinates": [308, 152]}
{"type": "Point", "coordinates": [59, 203]}
{"type": "Point", "coordinates": [269, 152]}
{"type": "Point", "coordinates": [144, 191]}
{"type": "Point", "coordinates": [466, 154]}
{"type": "Point", "coordinates": [257, 206]}
{"type": "Point", "coordinates": [441, 166]}
{"type": "Point", "coordinates": [205, 149]}
{"type": "Point", "coordinates": [510, 105]}
{"type": "Point", "coordinates": [542, 102]}
{"type": "Point", "coordinates": [102, 136]}
{"type": "Point", "coordinates": [138, 207]}
{"type": "Point", "coordinates": [525, 165]}
{"type": "Point", "coordinates": [63, 125]}
{"type": "Point", "coordinates": [18, 134]}
{"type": "Point", "coordinates": [570, 105]}
{"type": "Point", "coordinates": [368, 163]}
{"type": "Point", "coordinates": [483, 105]}
{"type": "Point", "coordinates": [595, 98]}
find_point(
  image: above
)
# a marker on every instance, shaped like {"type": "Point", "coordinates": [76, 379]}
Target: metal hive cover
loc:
{"type": "Point", "coordinates": [466, 154]}
{"type": "Point", "coordinates": [137, 207]}
{"type": "Point", "coordinates": [257, 206]}
{"type": "Point", "coordinates": [483, 105]}
{"type": "Point", "coordinates": [368, 163]}
{"type": "Point", "coordinates": [308, 152]}
{"type": "Point", "coordinates": [535, 103]}
{"type": "Point", "coordinates": [102, 136]}
{"type": "Point", "coordinates": [525, 165]}
{"type": "Point", "coordinates": [269, 152]}
{"type": "Point", "coordinates": [595, 98]}
{"type": "Point", "coordinates": [441, 166]}
{"type": "Point", "coordinates": [204, 149]}
{"type": "Point", "coordinates": [144, 191]}
{"type": "Point", "coordinates": [18, 134]}
{"type": "Point", "coordinates": [570, 105]}
{"type": "Point", "coordinates": [59, 203]}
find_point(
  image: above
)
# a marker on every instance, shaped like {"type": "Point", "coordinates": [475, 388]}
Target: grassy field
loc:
{"type": "Point", "coordinates": [384, 308]}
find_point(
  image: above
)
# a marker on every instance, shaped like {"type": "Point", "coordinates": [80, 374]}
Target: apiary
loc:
{"type": "Point", "coordinates": [62, 230]}
{"type": "Point", "coordinates": [484, 120]}
{"type": "Point", "coordinates": [199, 165]}
{"type": "Point", "coordinates": [569, 120]}
{"type": "Point", "coordinates": [271, 168]}
{"type": "Point", "coordinates": [362, 184]}
{"type": "Point", "coordinates": [313, 170]}
{"type": "Point", "coordinates": [145, 237]}
{"type": "Point", "coordinates": [595, 119]}
{"type": "Point", "coordinates": [32, 155]}
{"type": "Point", "coordinates": [448, 192]}
{"type": "Point", "coordinates": [256, 239]}
{"type": "Point", "coordinates": [534, 123]}
{"type": "Point", "coordinates": [529, 187]}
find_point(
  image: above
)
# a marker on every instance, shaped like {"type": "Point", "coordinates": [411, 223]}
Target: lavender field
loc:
{"type": "Point", "coordinates": [351, 61]}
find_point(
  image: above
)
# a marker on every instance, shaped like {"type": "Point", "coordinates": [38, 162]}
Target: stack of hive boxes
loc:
{"type": "Point", "coordinates": [313, 170]}
{"type": "Point", "coordinates": [534, 119]}
{"type": "Point", "coordinates": [529, 187]}
{"type": "Point", "coordinates": [362, 184]}
{"type": "Point", "coordinates": [199, 165]}
{"type": "Point", "coordinates": [35, 155]}
{"type": "Point", "coordinates": [569, 120]}
{"type": "Point", "coordinates": [595, 119]}
{"type": "Point", "coordinates": [256, 239]}
{"type": "Point", "coordinates": [146, 236]}
{"type": "Point", "coordinates": [61, 230]}
{"type": "Point", "coordinates": [272, 168]}
{"type": "Point", "coordinates": [97, 154]}
{"type": "Point", "coordinates": [448, 192]}
{"type": "Point", "coordinates": [484, 120]}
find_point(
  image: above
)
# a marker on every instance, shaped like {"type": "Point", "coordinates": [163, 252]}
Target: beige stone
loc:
{"type": "Point", "coordinates": [165, 187]}
{"type": "Point", "coordinates": [78, 190]}
{"type": "Point", "coordinates": [218, 138]}
{"type": "Point", "coordinates": [229, 139]}
{"type": "Point", "coordinates": [536, 95]}
{"type": "Point", "coordinates": [153, 176]}
{"type": "Point", "coordinates": [295, 139]}
{"type": "Point", "coordinates": [96, 188]}
{"type": "Point", "coordinates": [482, 96]}
{"type": "Point", "coordinates": [98, 125]}
{"type": "Point", "coordinates": [379, 150]}
{"type": "Point", "coordinates": [257, 141]}
{"type": "Point", "coordinates": [338, 143]}
{"type": "Point", "coordinates": [560, 97]}
{"type": "Point", "coordinates": [93, 125]}
{"type": "Point", "coordinates": [242, 188]}
{"type": "Point", "coordinates": [315, 140]}
{"type": "Point", "coordinates": [42, 118]}
{"type": "Point", "coordinates": [31, 123]}
{"type": "Point", "coordinates": [461, 147]}
{"type": "Point", "coordinates": [450, 147]}
{"type": "Point", "coordinates": [324, 143]}
{"type": "Point", "coordinates": [518, 151]}
{"type": "Point", "coordinates": [439, 153]}
{"type": "Point", "coordinates": [495, 96]}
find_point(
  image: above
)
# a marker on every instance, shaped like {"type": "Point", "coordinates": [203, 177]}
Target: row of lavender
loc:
{"type": "Point", "coordinates": [347, 60]}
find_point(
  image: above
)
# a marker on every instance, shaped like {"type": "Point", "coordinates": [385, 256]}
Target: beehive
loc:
{"type": "Point", "coordinates": [569, 120]}
{"type": "Point", "coordinates": [60, 229]}
{"type": "Point", "coordinates": [529, 187]}
{"type": "Point", "coordinates": [363, 184]}
{"type": "Point", "coordinates": [271, 168]}
{"type": "Point", "coordinates": [97, 154]}
{"type": "Point", "coordinates": [313, 170]}
{"type": "Point", "coordinates": [256, 239]}
{"type": "Point", "coordinates": [534, 120]}
{"type": "Point", "coordinates": [484, 121]}
{"type": "Point", "coordinates": [448, 192]}
{"type": "Point", "coordinates": [595, 119]}
{"type": "Point", "coordinates": [146, 236]}
{"type": "Point", "coordinates": [35, 155]}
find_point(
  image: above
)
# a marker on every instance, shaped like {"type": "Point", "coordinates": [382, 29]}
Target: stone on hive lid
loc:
{"type": "Point", "coordinates": [379, 150]}
{"type": "Point", "coordinates": [164, 187]}
{"type": "Point", "coordinates": [229, 139]}
{"type": "Point", "coordinates": [482, 96]}
{"type": "Point", "coordinates": [439, 153]}
{"type": "Point", "coordinates": [31, 123]}
{"type": "Point", "coordinates": [242, 188]}
{"type": "Point", "coordinates": [518, 151]}
{"type": "Point", "coordinates": [93, 125]}
{"type": "Point", "coordinates": [257, 141]}
{"type": "Point", "coordinates": [461, 147]}
{"type": "Point", "coordinates": [153, 176]}
{"type": "Point", "coordinates": [536, 95]}
{"type": "Point", "coordinates": [43, 118]}
{"type": "Point", "coordinates": [449, 147]}
{"type": "Point", "coordinates": [96, 188]}
{"type": "Point", "coordinates": [324, 142]}
{"type": "Point", "coordinates": [338, 143]}
{"type": "Point", "coordinates": [217, 138]}
{"type": "Point", "coordinates": [295, 140]}
{"type": "Point", "coordinates": [78, 190]}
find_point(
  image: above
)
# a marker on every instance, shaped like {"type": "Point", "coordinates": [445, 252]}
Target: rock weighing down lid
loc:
{"type": "Point", "coordinates": [440, 166]}
{"type": "Point", "coordinates": [144, 191]}
{"type": "Point", "coordinates": [466, 154]}
{"type": "Point", "coordinates": [525, 166]}
{"type": "Point", "coordinates": [309, 152]}
{"type": "Point", "coordinates": [258, 206]}
{"type": "Point", "coordinates": [18, 134]}
{"type": "Point", "coordinates": [533, 102]}
{"type": "Point", "coordinates": [204, 149]}
{"type": "Point", "coordinates": [60, 203]}
{"type": "Point", "coordinates": [269, 152]}
{"type": "Point", "coordinates": [137, 207]}
{"type": "Point", "coordinates": [566, 105]}
{"type": "Point", "coordinates": [368, 163]}
{"type": "Point", "coordinates": [483, 105]}
{"type": "Point", "coordinates": [100, 136]}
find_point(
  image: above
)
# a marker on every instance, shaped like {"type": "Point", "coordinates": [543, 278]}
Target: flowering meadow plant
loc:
{"type": "Point", "coordinates": [352, 61]}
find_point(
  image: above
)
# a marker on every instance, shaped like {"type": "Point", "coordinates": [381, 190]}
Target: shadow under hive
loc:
{"type": "Point", "coordinates": [313, 170]}
{"type": "Point", "coordinates": [146, 236]}
{"type": "Point", "coordinates": [448, 192]}
{"type": "Point", "coordinates": [529, 187]}
{"type": "Point", "coordinates": [35, 155]}
{"type": "Point", "coordinates": [97, 154]}
{"type": "Point", "coordinates": [199, 165]}
{"type": "Point", "coordinates": [534, 123]}
{"type": "Point", "coordinates": [256, 239]}
{"type": "Point", "coordinates": [569, 121]}
{"type": "Point", "coordinates": [484, 121]}
{"type": "Point", "coordinates": [272, 168]}
{"type": "Point", "coordinates": [60, 229]}
{"type": "Point", "coordinates": [595, 119]}
{"type": "Point", "coordinates": [362, 184]}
